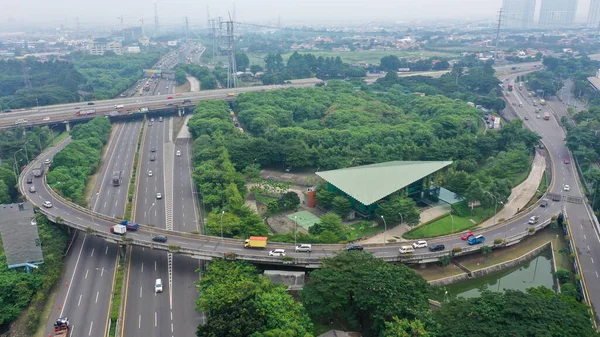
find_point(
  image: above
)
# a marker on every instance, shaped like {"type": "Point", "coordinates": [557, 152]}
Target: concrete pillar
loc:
{"type": "Point", "coordinates": [179, 112]}
{"type": "Point", "coordinates": [68, 126]}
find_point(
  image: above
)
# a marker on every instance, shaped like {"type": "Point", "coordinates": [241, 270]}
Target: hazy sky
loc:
{"type": "Point", "coordinates": [293, 11]}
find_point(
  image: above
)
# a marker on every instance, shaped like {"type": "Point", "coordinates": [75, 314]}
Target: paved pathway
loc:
{"type": "Point", "coordinates": [194, 83]}
{"type": "Point", "coordinates": [519, 198]}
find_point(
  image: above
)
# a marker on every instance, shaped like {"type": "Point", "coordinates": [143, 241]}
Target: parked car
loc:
{"type": "Point", "coordinates": [354, 246]}
{"type": "Point", "coordinates": [277, 252]}
{"type": "Point", "coordinates": [304, 248]}
{"type": "Point", "coordinates": [159, 238]}
{"type": "Point", "coordinates": [467, 235]}
{"type": "Point", "coordinates": [436, 247]}
{"type": "Point", "coordinates": [420, 244]}
{"type": "Point", "coordinates": [47, 204]}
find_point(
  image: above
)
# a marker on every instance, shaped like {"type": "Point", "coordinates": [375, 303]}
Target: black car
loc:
{"type": "Point", "coordinates": [187, 101]}
{"type": "Point", "coordinates": [544, 203]}
{"type": "Point", "coordinates": [354, 246]}
{"type": "Point", "coordinates": [91, 103]}
{"type": "Point", "coordinates": [160, 238]}
{"type": "Point", "coordinates": [436, 247]}
{"type": "Point", "coordinates": [30, 180]}
{"type": "Point", "coordinates": [153, 149]}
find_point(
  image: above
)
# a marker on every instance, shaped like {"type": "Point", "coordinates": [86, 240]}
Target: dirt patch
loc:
{"type": "Point", "coordinates": [302, 179]}
{"type": "Point", "coordinates": [280, 223]}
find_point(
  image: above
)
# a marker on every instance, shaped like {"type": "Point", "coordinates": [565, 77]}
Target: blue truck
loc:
{"type": "Point", "coordinates": [131, 226]}
{"type": "Point", "coordinates": [474, 240]}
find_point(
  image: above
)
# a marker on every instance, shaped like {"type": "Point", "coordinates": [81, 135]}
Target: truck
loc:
{"type": "Point", "coordinates": [256, 242]}
{"type": "Point", "coordinates": [547, 115]}
{"type": "Point", "coordinates": [542, 102]}
{"type": "Point", "coordinates": [474, 240]}
{"type": "Point", "coordinates": [86, 112]}
{"type": "Point", "coordinates": [510, 87]}
{"type": "Point", "coordinates": [116, 178]}
{"type": "Point", "coordinates": [38, 170]}
{"type": "Point", "coordinates": [61, 327]}
{"type": "Point", "coordinates": [119, 106]}
{"type": "Point", "coordinates": [118, 229]}
{"type": "Point", "coordinates": [131, 226]}
{"type": "Point", "coordinates": [533, 220]}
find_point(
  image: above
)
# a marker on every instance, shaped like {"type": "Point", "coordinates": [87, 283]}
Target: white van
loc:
{"type": "Point", "coordinates": [158, 286]}
{"type": "Point", "coordinates": [406, 249]}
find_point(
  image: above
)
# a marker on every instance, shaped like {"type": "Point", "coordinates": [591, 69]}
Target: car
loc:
{"type": "Point", "coordinates": [406, 249]}
{"type": "Point", "coordinates": [153, 149]}
{"type": "Point", "coordinates": [149, 173]}
{"type": "Point", "coordinates": [150, 124]}
{"type": "Point", "coordinates": [354, 246]}
{"type": "Point", "coordinates": [170, 104]}
{"type": "Point", "coordinates": [158, 286]}
{"type": "Point", "coordinates": [8, 110]}
{"type": "Point", "coordinates": [152, 119]}
{"type": "Point", "coordinates": [91, 103]}
{"type": "Point", "coordinates": [160, 119]}
{"type": "Point", "coordinates": [152, 157]}
{"type": "Point", "coordinates": [31, 189]}
{"type": "Point", "coordinates": [467, 235]}
{"type": "Point", "coordinates": [567, 161]}
{"type": "Point", "coordinates": [567, 188]}
{"type": "Point", "coordinates": [159, 238]}
{"type": "Point", "coordinates": [187, 101]}
{"type": "Point", "coordinates": [544, 203]}
{"type": "Point", "coordinates": [47, 204]}
{"type": "Point", "coordinates": [277, 252]}
{"type": "Point", "coordinates": [170, 97]}
{"type": "Point", "coordinates": [167, 87]}
{"type": "Point", "coordinates": [526, 118]}
{"type": "Point", "coordinates": [46, 118]}
{"type": "Point", "coordinates": [304, 248]}
{"type": "Point", "coordinates": [30, 180]}
{"type": "Point", "coordinates": [178, 153]}
{"type": "Point", "coordinates": [158, 195]}
{"type": "Point", "coordinates": [538, 116]}
{"type": "Point", "coordinates": [436, 247]}
{"type": "Point", "coordinates": [47, 161]}
{"type": "Point", "coordinates": [420, 244]}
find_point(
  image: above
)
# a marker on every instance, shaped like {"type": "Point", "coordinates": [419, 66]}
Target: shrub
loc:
{"type": "Point", "coordinates": [531, 229]}
{"type": "Point", "coordinates": [498, 241]}
{"type": "Point", "coordinates": [174, 248]}
{"type": "Point", "coordinates": [456, 250]}
{"type": "Point", "coordinates": [563, 276]}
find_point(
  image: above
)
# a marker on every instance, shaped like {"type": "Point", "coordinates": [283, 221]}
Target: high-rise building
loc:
{"type": "Point", "coordinates": [557, 13]}
{"type": "Point", "coordinates": [518, 14]}
{"type": "Point", "coordinates": [593, 20]}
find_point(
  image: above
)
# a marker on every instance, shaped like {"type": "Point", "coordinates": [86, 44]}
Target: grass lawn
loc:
{"type": "Point", "coordinates": [361, 229]}
{"type": "Point", "coordinates": [443, 225]}
{"type": "Point", "coordinates": [263, 198]}
{"type": "Point", "coordinates": [60, 137]}
{"type": "Point", "coordinates": [369, 56]}
{"type": "Point", "coordinates": [183, 88]}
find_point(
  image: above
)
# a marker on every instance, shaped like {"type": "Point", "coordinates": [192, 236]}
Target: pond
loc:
{"type": "Point", "coordinates": [533, 273]}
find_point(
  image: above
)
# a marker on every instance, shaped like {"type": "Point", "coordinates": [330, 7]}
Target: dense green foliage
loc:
{"type": "Point", "coordinates": [73, 165]}
{"type": "Point", "coordinates": [203, 74]}
{"type": "Point", "coordinates": [538, 312]}
{"type": "Point", "coordinates": [393, 63]}
{"type": "Point", "coordinates": [578, 69]}
{"type": "Point", "coordinates": [305, 66]}
{"type": "Point", "coordinates": [51, 82]}
{"type": "Point", "coordinates": [364, 292]}
{"type": "Point", "coordinates": [20, 289]}
{"type": "Point", "coordinates": [16, 144]}
{"type": "Point", "coordinates": [108, 76]}
{"type": "Point", "coordinates": [240, 302]}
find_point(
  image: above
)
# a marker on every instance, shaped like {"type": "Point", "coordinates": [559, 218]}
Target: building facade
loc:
{"type": "Point", "coordinates": [557, 13]}
{"type": "Point", "coordinates": [593, 20]}
{"type": "Point", "coordinates": [518, 14]}
{"type": "Point", "coordinates": [101, 47]}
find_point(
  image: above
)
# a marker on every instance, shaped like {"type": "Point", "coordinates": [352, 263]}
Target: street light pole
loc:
{"type": "Point", "coordinates": [222, 213]}
{"type": "Point", "coordinates": [295, 229]}
{"type": "Point", "coordinates": [495, 205]}
{"type": "Point", "coordinates": [451, 217]}
{"type": "Point", "coordinates": [25, 147]}
{"type": "Point", "coordinates": [94, 209]}
{"type": "Point", "coordinates": [384, 230]}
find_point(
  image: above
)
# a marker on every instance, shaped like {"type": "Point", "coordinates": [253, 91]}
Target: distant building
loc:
{"type": "Point", "coordinates": [595, 81]}
{"type": "Point", "coordinates": [518, 14]}
{"type": "Point", "coordinates": [593, 20]}
{"type": "Point", "coordinates": [99, 47]}
{"type": "Point", "coordinates": [133, 49]}
{"type": "Point", "coordinates": [557, 13]}
{"type": "Point", "coordinates": [172, 43]}
{"type": "Point", "coordinates": [144, 41]}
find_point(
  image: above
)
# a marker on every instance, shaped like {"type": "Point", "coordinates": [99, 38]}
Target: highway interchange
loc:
{"type": "Point", "coordinates": [553, 138]}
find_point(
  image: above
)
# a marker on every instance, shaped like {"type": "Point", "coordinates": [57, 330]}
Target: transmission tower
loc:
{"type": "Point", "coordinates": [142, 21]}
{"type": "Point", "coordinates": [229, 46]}
{"type": "Point", "coordinates": [187, 29]}
{"type": "Point", "coordinates": [26, 75]}
{"type": "Point", "coordinates": [156, 25]}
{"type": "Point", "coordinates": [498, 34]}
{"type": "Point", "coordinates": [215, 25]}
{"type": "Point", "coordinates": [208, 25]}
{"type": "Point", "coordinates": [122, 26]}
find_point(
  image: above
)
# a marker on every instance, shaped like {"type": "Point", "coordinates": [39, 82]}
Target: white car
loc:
{"type": "Point", "coordinates": [420, 244]}
{"type": "Point", "coordinates": [47, 204]}
{"type": "Point", "coordinates": [149, 173]}
{"type": "Point", "coordinates": [567, 188]}
{"type": "Point", "coordinates": [277, 252]}
{"type": "Point", "coordinates": [158, 286]}
{"type": "Point", "coordinates": [47, 161]}
{"type": "Point", "coordinates": [305, 247]}
{"type": "Point", "coordinates": [158, 196]}
{"type": "Point", "coordinates": [178, 153]}
{"type": "Point", "coordinates": [46, 118]}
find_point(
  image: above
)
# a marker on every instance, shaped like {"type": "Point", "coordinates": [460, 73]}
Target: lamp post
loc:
{"type": "Point", "coordinates": [25, 147]}
{"type": "Point", "coordinates": [15, 157]}
{"type": "Point", "coordinates": [295, 229]}
{"type": "Point", "coordinates": [495, 205]}
{"type": "Point", "coordinates": [222, 213]}
{"type": "Point", "coordinates": [451, 217]}
{"type": "Point", "coordinates": [384, 229]}
{"type": "Point", "coordinates": [94, 208]}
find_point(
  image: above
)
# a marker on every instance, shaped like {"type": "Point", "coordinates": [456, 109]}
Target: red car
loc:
{"type": "Point", "coordinates": [567, 161]}
{"type": "Point", "coordinates": [467, 235]}
{"type": "Point", "coordinates": [170, 97]}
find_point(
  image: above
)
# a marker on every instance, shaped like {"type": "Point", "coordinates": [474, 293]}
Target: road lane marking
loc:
{"type": "Point", "coordinates": [86, 273]}
{"type": "Point", "coordinates": [154, 264]}
{"type": "Point", "coordinates": [102, 272]}
{"type": "Point", "coordinates": [171, 327]}
{"type": "Point", "coordinates": [139, 321]}
{"type": "Point", "coordinates": [97, 293]}
{"type": "Point", "coordinates": [106, 252]}
{"type": "Point", "coordinates": [596, 274]}
{"type": "Point", "coordinates": [91, 325]}
{"type": "Point", "coordinates": [142, 267]}
{"type": "Point", "coordinates": [92, 255]}
{"type": "Point", "coordinates": [79, 302]}
{"type": "Point", "coordinates": [592, 259]}
{"type": "Point", "coordinates": [155, 320]}
{"type": "Point", "coordinates": [140, 291]}
{"type": "Point", "coordinates": [584, 237]}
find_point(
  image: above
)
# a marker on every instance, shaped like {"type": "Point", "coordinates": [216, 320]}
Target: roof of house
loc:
{"type": "Point", "coordinates": [370, 183]}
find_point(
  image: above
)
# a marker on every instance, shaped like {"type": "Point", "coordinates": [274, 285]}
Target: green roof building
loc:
{"type": "Point", "coordinates": [368, 184]}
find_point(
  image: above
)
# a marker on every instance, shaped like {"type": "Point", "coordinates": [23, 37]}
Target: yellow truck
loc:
{"type": "Point", "coordinates": [542, 102]}
{"type": "Point", "coordinates": [256, 242]}
{"type": "Point", "coordinates": [231, 94]}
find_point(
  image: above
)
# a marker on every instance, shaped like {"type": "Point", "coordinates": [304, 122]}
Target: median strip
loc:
{"type": "Point", "coordinates": [129, 203]}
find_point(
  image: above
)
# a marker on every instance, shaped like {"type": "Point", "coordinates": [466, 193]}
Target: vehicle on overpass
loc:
{"type": "Point", "coordinates": [118, 229]}
{"type": "Point", "coordinates": [510, 87]}
{"type": "Point", "coordinates": [256, 242]}
{"type": "Point", "coordinates": [38, 170]}
{"type": "Point", "coordinates": [85, 112]}
{"type": "Point", "coordinates": [474, 240]}
{"type": "Point", "coordinates": [131, 226]}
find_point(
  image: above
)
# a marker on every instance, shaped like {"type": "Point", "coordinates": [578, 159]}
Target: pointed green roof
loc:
{"type": "Point", "coordinates": [370, 183]}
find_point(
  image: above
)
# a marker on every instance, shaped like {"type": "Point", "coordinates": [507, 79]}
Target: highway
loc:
{"type": "Point", "coordinates": [579, 214]}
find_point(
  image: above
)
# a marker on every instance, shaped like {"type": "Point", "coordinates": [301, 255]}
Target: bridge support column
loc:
{"type": "Point", "coordinates": [180, 112]}
{"type": "Point", "coordinates": [68, 126]}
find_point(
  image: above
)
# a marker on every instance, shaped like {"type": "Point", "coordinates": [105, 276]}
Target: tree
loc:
{"type": "Point", "coordinates": [486, 251]}
{"type": "Point", "coordinates": [389, 63]}
{"type": "Point", "coordinates": [405, 328]}
{"type": "Point", "coordinates": [4, 195]}
{"type": "Point", "coordinates": [255, 68]}
{"type": "Point", "coordinates": [445, 260]}
{"type": "Point", "coordinates": [241, 61]}
{"type": "Point", "coordinates": [341, 206]}
{"type": "Point", "coordinates": [365, 292]}
{"type": "Point", "coordinates": [511, 314]}
{"type": "Point", "coordinates": [324, 197]}
{"type": "Point", "coordinates": [180, 77]}
{"type": "Point", "coordinates": [289, 200]}
{"type": "Point", "coordinates": [563, 276]}
{"type": "Point", "coordinates": [328, 222]}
